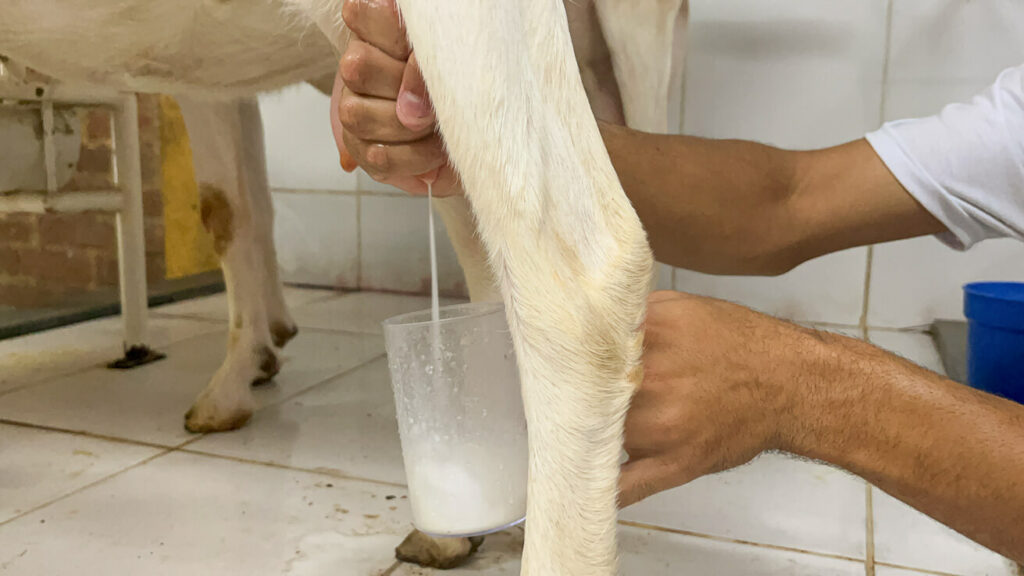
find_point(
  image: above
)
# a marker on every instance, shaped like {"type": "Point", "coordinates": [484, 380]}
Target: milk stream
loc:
{"type": "Point", "coordinates": [435, 313]}
{"type": "Point", "coordinates": [434, 301]}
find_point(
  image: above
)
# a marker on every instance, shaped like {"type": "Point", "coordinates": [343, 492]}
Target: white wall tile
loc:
{"type": "Point", "coordinates": [301, 153]}
{"type": "Point", "coordinates": [786, 72]}
{"type": "Point", "coordinates": [906, 537]}
{"type": "Point", "coordinates": [665, 277]}
{"type": "Point", "coordinates": [913, 282]}
{"type": "Point", "coordinates": [794, 74]}
{"type": "Point", "coordinates": [918, 347]}
{"type": "Point", "coordinates": [955, 40]}
{"type": "Point", "coordinates": [395, 249]}
{"type": "Point", "coordinates": [317, 237]}
{"type": "Point", "coordinates": [827, 289]}
{"type": "Point", "coordinates": [943, 51]}
{"type": "Point", "coordinates": [914, 99]}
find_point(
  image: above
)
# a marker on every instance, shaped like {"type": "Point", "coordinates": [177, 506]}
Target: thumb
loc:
{"type": "Point", "coordinates": [413, 107]}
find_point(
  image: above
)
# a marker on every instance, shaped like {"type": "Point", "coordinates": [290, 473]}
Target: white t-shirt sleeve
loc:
{"type": "Point", "coordinates": [965, 165]}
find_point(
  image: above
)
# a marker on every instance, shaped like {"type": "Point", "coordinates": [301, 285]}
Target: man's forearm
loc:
{"type": "Point", "coordinates": [716, 206]}
{"type": "Point", "coordinates": [950, 451]}
{"type": "Point", "coordinates": [738, 207]}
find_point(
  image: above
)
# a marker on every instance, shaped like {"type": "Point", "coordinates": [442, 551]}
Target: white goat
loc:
{"type": "Point", "coordinates": [546, 227]}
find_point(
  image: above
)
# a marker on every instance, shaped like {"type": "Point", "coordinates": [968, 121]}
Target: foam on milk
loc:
{"type": "Point", "coordinates": [468, 490]}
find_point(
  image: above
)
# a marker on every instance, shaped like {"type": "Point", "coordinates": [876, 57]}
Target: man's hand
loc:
{"type": "Point", "coordinates": [714, 390]}
{"type": "Point", "coordinates": [380, 109]}
{"type": "Point", "coordinates": [723, 383]}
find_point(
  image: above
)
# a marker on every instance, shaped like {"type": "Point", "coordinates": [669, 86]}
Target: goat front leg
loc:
{"type": "Point", "coordinates": [218, 132]}
{"type": "Point", "coordinates": [567, 249]}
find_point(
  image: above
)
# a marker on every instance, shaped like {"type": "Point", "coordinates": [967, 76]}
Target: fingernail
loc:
{"type": "Point", "coordinates": [413, 106]}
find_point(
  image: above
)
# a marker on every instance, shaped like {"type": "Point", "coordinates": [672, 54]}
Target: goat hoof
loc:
{"type": "Point", "coordinates": [442, 553]}
{"type": "Point", "coordinates": [281, 333]}
{"type": "Point", "coordinates": [200, 421]}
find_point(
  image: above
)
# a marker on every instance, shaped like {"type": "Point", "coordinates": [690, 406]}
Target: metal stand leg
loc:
{"type": "Point", "coordinates": [131, 238]}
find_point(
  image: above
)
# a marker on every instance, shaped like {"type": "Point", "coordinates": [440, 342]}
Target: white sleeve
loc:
{"type": "Point", "coordinates": [965, 165]}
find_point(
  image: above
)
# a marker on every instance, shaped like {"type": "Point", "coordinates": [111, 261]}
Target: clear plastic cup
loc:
{"type": "Point", "coordinates": [460, 417]}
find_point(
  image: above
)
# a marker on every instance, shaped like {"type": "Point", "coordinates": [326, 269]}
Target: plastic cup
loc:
{"type": "Point", "coordinates": [995, 337]}
{"type": "Point", "coordinates": [460, 417]}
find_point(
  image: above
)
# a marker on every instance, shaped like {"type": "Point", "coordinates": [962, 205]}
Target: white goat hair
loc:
{"type": "Point", "coordinates": [545, 226]}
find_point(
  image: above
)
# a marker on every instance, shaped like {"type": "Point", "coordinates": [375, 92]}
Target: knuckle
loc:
{"type": "Point", "coordinates": [351, 10]}
{"type": "Point", "coordinates": [350, 114]}
{"type": "Point", "coordinates": [377, 160]}
{"type": "Point", "coordinates": [352, 65]}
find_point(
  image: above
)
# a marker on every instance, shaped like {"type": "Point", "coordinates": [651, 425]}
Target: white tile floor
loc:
{"type": "Point", "coordinates": [97, 475]}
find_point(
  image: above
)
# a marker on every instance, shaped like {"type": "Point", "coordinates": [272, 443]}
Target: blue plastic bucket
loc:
{"type": "Point", "coordinates": [995, 337]}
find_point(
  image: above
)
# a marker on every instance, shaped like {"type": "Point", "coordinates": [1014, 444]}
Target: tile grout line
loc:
{"type": "Point", "coordinates": [916, 570]}
{"type": "Point", "coordinates": [866, 302]}
{"type": "Point", "coordinates": [84, 487]}
{"type": "Point", "coordinates": [164, 451]}
{"type": "Point", "coordinates": [103, 363]}
{"type": "Point", "coordinates": [323, 381]}
{"type": "Point", "coordinates": [222, 321]}
{"type": "Point", "coordinates": [321, 471]}
{"type": "Point", "coordinates": [182, 448]}
{"type": "Point", "coordinates": [886, 53]}
{"type": "Point", "coordinates": [869, 536]}
{"type": "Point", "coordinates": [339, 331]}
{"type": "Point", "coordinates": [328, 294]}
{"type": "Point", "coordinates": [209, 320]}
{"type": "Point", "coordinates": [135, 442]}
{"type": "Point", "coordinates": [70, 371]}
{"type": "Point", "coordinates": [87, 434]}
{"type": "Point", "coordinates": [727, 540]}
{"type": "Point", "coordinates": [359, 241]}
{"type": "Point", "coordinates": [921, 329]}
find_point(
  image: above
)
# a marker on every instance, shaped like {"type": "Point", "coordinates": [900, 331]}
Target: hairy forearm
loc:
{"type": "Point", "coordinates": [716, 206]}
{"type": "Point", "coordinates": [739, 207]}
{"type": "Point", "coordinates": [950, 451]}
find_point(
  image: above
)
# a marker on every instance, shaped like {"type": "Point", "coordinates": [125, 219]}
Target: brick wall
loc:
{"type": "Point", "coordinates": [45, 258]}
